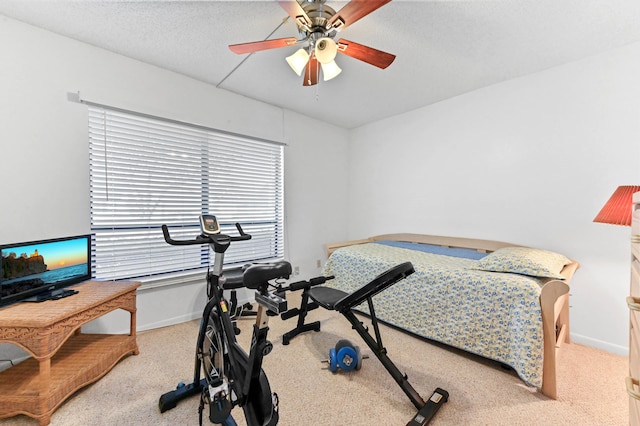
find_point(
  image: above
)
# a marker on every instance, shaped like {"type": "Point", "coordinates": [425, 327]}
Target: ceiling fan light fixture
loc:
{"type": "Point", "coordinates": [330, 70]}
{"type": "Point", "coordinates": [317, 26]}
{"type": "Point", "coordinates": [298, 61]}
{"type": "Point", "coordinates": [326, 50]}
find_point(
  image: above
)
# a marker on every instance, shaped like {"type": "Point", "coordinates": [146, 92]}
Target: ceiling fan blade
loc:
{"type": "Point", "coordinates": [311, 72]}
{"type": "Point", "coordinates": [296, 11]}
{"type": "Point", "coordinates": [353, 11]}
{"type": "Point", "coordinates": [257, 46]}
{"type": "Point", "coordinates": [366, 54]}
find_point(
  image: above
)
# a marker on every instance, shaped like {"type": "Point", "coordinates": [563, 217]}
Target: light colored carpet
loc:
{"type": "Point", "coordinates": [591, 383]}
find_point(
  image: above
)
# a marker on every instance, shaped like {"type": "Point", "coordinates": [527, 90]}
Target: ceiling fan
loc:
{"type": "Point", "coordinates": [318, 24]}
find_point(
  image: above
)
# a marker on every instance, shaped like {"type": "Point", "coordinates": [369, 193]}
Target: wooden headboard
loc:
{"type": "Point", "coordinates": [483, 246]}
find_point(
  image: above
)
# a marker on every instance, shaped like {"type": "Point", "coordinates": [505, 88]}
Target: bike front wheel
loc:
{"type": "Point", "coordinates": [213, 353]}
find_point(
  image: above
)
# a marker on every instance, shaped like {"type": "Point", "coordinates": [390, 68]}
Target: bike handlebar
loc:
{"type": "Point", "coordinates": [205, 239]}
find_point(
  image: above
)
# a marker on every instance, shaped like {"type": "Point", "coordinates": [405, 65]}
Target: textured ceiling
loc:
{"type": "Point", "coordinates": [444, 48]}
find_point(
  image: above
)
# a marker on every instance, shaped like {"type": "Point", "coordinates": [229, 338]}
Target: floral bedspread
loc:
{"type": "Point", "coordinates": [495, 315]}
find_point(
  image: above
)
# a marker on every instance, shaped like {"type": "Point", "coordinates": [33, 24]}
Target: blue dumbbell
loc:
{"type": "Point", "coordinates": [345, 356]}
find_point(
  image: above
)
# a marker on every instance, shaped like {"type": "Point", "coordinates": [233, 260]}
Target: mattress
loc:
{"type": "Point", "coordinates": [495, 315]}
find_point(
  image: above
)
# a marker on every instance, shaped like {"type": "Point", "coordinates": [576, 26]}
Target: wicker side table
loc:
{"type": "Point", "coordinates": [63, 359]}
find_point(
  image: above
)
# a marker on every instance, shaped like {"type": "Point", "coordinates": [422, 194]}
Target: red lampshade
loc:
{"type": "Point", "coordinates": [617, 211]}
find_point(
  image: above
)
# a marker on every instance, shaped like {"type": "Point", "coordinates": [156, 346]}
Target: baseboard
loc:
{"type": "Point", "coordinates": [13, 355]}
{"type": "Point", "coordinates": [170, 321]}
{"type": "Point", "coordinates": [242, 299]}
{"type": "Point", "coordinates": [599, 344]}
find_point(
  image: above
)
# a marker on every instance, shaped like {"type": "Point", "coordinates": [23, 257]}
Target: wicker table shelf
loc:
{"type": "Point", "coordinates": [64, 360]}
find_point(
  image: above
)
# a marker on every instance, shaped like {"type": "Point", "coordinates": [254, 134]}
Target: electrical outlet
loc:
{"type": "Point", "coordinates": [296, 270]}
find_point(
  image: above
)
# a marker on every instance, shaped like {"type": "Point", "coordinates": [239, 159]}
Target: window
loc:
{"type": "Point", "coordinates": [146, 171]}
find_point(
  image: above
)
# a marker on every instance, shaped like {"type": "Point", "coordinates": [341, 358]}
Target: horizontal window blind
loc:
{"type": "Point", "coordinates": [146, 172]}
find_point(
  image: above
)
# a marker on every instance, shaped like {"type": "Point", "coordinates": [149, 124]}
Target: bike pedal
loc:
{"type": "Point", "coordinates": [220, 412]}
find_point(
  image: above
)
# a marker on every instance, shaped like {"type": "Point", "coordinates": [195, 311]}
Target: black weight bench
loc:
{"type": "Point", "coordinates": [340, 301]}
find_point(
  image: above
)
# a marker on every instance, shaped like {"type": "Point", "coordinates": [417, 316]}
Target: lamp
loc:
{"type": "Point", "coordinates": [617, 211]}
{"type": "Point", "coordinates": [298, 61]}
{"type": "Point", "coordinates": [326, 50]}
{"type": "Point", "coordinates": [330, 70]}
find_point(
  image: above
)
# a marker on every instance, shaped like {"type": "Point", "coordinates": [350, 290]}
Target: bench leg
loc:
{"type": "Point", "coordinates": [426, 410]}
{"type": "Point", "coordinates": [301, 327]}
{"type": "Point", "coordinates": [381, 353]}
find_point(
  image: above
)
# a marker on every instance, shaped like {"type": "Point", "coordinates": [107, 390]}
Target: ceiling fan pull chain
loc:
{"type": "Point", "coordinates": [318, 85]}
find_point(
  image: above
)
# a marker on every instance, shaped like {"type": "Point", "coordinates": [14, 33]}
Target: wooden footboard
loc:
{"type": "Point", "coordinates": [554, 303]}
{"type": "Point", "coordinates": [554, 298]}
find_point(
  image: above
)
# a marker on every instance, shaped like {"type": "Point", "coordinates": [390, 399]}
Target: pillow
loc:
{"type": "Point", "coordinates": [525, 261]}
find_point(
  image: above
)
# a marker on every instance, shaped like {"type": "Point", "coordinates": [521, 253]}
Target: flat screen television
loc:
{"type": "Point", "coordinates": [37, 270]}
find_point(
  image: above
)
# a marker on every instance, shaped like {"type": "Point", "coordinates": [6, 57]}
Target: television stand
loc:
{"type": "Point", "coordinates": [63, 359]}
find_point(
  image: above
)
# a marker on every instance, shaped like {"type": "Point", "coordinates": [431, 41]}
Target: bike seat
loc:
{"type": "Point", "coordinates": [234, 277]}
{"type": "Point", "coordinates": [258, 274]}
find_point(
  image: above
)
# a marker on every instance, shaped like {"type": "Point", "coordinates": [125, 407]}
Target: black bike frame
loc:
{"type": "Point", "coordinates": [244, 371]}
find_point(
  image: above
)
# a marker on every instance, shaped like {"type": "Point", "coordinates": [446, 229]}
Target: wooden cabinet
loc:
{"type": "Point", "coordinates": [633, 301]}
{"type": "Point", "coordinates": [63, 359]}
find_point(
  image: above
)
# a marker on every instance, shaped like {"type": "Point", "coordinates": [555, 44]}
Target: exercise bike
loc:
{"type": "Point", "coordinates": [231, 376]}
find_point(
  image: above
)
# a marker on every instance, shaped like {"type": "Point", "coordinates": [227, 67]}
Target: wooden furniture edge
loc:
{"type": "Point", "coordinates": [554, 296]}
{"type": "Point", "coordinates": [331, 247]}
{"type": "Point", "coordinates": [632, 383]}
{"type": "Point", "coordinates": [483, 246]}
{"type": "Point", "coordinates": [554, 306]}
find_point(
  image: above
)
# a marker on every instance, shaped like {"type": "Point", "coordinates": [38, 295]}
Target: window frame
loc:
{"type": "Point", "coordinates": [128, 244]}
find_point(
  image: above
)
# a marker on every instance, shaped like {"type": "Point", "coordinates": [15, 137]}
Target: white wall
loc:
{"type": "Point", "coordinates": [529, 161]}
{"type": "Point", "coordinates": [44, 151]}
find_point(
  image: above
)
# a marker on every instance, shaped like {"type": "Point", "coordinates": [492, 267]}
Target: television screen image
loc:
{"type": "Point", "coordinates": [43, 266]}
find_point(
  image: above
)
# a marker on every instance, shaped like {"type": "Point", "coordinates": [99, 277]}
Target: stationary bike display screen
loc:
{"type": "Point", "coordinates": [209, 224]}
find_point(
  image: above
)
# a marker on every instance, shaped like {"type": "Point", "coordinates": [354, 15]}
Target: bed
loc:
{"type": "Point", "coordinates": [498, 300]}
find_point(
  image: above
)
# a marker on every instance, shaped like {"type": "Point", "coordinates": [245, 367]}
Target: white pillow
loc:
{"type": "Point", "coordinates": [525, 261]}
